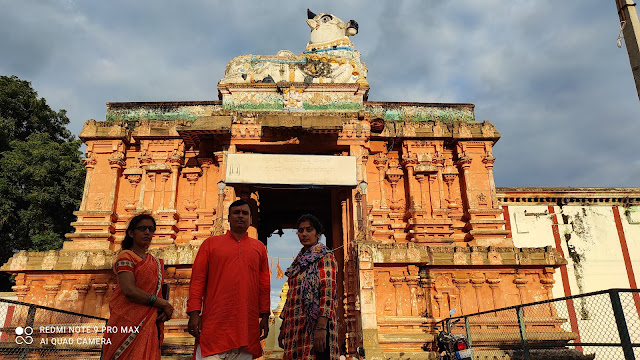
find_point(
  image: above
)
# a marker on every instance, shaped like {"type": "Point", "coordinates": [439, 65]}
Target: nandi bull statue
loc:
{"type": "Point", "coordinates": [328, 58]}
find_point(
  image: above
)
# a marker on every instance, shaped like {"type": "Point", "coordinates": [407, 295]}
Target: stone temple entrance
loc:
{"type": "Point", "coordinates": [279, 207]}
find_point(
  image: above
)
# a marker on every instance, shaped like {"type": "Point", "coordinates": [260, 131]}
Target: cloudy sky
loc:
{"type": "Point", "coordinates": [546, 73]}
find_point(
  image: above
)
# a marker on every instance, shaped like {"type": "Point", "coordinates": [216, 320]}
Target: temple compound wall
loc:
{"type": "Point", "coordinates": [415, 218]}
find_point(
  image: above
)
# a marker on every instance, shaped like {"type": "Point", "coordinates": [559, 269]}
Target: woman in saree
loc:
{"type": "Point", "coordinates": [309, 317]}
{"type": "Point", "coordinates": [137, 299]}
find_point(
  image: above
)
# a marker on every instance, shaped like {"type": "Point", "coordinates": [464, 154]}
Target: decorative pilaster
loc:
{"type": "Point", "coordinates": [477, 283]}
{"type": "Point", "coordinates": [394, 174]}
{"type": "Point", "coordinates": [51, 290]}
{"type": "Point", "coordinates": [174, 161]}
{"type": "Point", "coordinates": [21, 291]}
{"type": "Point", "coordinates": [412, 282]}
{"type": "Point", "coordinates": [460, 284]}
{"type": "Point", "coordinates": [423, 196]}
{"type": "Point", "coordinates": [83, 290]}
{"type": "Point", "coordinates": [494, 285]}
{"type": "Point", "coordinates": [381, 164]}
{"type": "Point", "coordinates": [90, 164]}
{"type": "Point", "coordinates": [117, 162]}
{"type": "Point", "coordinates": [488, 162]}
{"type": "Point", "coordinates": [134, 176]}
{"type": "Point", "coordinates": [397, 281]}
{"type": "Point", "coordinates": [145, 161]}
{"type": "Point", "coordinates": [410, 163]}
{"type": "Point", "coordinates": [464, 162]}
{"type": "Point", "coordinates": [521, 283]}
{"type": "Point", "coordinates": [100, 290]}
{"type": "Point", "coordinates": [164, 177]}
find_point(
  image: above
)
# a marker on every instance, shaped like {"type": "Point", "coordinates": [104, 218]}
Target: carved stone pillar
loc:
{"type": "Point", "coordinates": [493, 285]}
{"type": "Point", "coordinates": [465, 163]}
{"type": "Point", "coordinates": [381, 164]}
{"type": "Point", "coordinates": [152, 179]}
{"type": "Point", "coordinates": [83, 290]}
{"type": "Point", "coordinates": [205, 164]}
{"type": "Point", "coordinates": [100, 290]}
{"type": "Point", "coordinates": [410, 163]}
{"type": "Point", "coordinates": [412, 281]}
{"type": "Point", "coordinates": [453, 302]}
{"type": "Point", "coordinates": [547, 284]}
{"type": "Point", "coordinates": [397, 283]}
{"type": "Point", "coordinates": [51, 290]}
{"type": "Point", "coordinates": [439, 160]}
{"type": "Point", "coordinates": [174, 161]}
{"type": "Point", "coordinates": [460, 284]}
{"type": "Point", "coordinates": [449, 177]}
{"type": "Point", "coordinates": [488, 161]}
{"type": "Point", "coordinates": [394, 175]}
{"type": "Point", "coordinates": [21, 291]}
{"type": "Point", "coordinates": [117, 162]}
{"type": "Point", "coordinates": [192, 178]}
{"type": "Point", "coordinates": [477, 284]}
{"type": "Point", "coordinates": [364, 159]}
{"type": "Point", "coordinates": [144, 162]}
{"type": "Point", "coordinates": [134, 176]}
{"type": "Point", "coordinates": [164, 177]}
{"type": "Point", "coordinates": [423, 196]}
{"type": "Point", "coordinates": [427, 287]}
{"type": "Point", "coordinates": [521, 283]}
{"type": "Point", "coordinates": [435, 203]}
{"type": "Point", "coordinates": [90, 164]}
{"type": "Point", "coordinates": [438, 299]}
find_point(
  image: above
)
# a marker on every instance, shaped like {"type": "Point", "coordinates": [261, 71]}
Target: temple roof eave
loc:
{"type": "Point", "coordinates": [568, 196]}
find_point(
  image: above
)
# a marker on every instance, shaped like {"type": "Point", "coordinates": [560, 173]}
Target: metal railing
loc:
{"type": "Point", "coordinates": [598, 325]}
{"type": "Point", "coordinates": [29, 331]}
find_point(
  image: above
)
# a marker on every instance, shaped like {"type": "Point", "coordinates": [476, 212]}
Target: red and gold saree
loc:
{"type": "Point", "coordinates": [134, 334]}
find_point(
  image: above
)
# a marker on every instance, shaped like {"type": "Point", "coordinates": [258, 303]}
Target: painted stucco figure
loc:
{"type": "Point", "coordinates": [329, 57]}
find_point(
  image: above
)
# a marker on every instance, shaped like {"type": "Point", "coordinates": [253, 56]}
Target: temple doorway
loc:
{"type": "Point", "coordinates": [278, 209]}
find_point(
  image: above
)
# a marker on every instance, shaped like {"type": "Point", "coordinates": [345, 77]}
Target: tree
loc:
{"type": "Point", "coordinates": [41, 172]}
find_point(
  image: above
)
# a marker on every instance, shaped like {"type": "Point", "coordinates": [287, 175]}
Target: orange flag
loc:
{"type": "Point", "coordinates": [279, 272]}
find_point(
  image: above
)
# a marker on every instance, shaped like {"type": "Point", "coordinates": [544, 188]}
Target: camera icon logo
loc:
{"type": "Point", "coordinates": [27, 338]}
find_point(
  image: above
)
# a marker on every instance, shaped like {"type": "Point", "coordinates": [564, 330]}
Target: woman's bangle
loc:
{"type": "Point", "coordinates": [320, 328]}
{"type": "Point", "coordinates": [152, 299]}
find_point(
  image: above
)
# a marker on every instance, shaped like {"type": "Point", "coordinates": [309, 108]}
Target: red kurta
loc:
{"type": "Point", "coordinates": [230, 285]}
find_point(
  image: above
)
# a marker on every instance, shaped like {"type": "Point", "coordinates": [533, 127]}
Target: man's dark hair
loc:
{"type": "Point", "coordinates": [313, 221]}
{"type": "Point", "coordinates": [239, 202]}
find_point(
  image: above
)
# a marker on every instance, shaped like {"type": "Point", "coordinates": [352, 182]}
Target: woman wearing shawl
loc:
{"type": "Point", "coordinates": [309, 318]}
{"type": "Point", "coordinates": [137, 299]}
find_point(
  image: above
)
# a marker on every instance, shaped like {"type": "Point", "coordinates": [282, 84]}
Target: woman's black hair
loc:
{"type": "Point", "coordinates": [313, 221]}
{"type": "Point", "coordinates": [127, 243]}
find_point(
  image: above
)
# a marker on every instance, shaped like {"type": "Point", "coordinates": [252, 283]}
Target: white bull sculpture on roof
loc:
{"type": "Point", "coordinates": [329, 58]}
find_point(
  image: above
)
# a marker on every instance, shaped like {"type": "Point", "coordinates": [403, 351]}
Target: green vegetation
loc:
{"type": "Point", "coordinates": [41, 172]}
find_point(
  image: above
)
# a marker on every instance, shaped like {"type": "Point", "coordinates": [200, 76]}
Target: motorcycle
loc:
{"type": "Point", "coordinates": [453, 347]}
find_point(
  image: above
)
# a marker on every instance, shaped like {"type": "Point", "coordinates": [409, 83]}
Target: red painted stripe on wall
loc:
{"type": "Point", "coordinates": [507, 220]}
{"type": "Point", "coordinates": [573, 319]}
{"type": "Point", "coordinates": [625, 255]}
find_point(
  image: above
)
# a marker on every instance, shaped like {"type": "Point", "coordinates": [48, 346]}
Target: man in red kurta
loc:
{"type": "Point", "coordinates": [230, 289]}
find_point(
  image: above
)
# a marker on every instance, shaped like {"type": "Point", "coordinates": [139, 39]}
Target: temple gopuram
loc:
{"type": "Point", "coordinates": [406, 189]}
